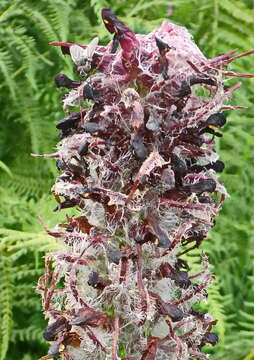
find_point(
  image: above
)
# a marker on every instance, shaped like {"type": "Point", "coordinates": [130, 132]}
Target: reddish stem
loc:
{"type": "Point", "coordinates": [115, 337]}
{"type": "Point", "coordinates": [123, 269]}
{"type": "Point", "coordinates": [197, 290]}
{"type": "Point", "coordinates": [142, 291]}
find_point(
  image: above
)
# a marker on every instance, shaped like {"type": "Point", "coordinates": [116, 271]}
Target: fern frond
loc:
{"type": "Point", "coordinates": [28, 334]}
{"type": "Point", "coordinates": [59, 12]}
{"type": "Point", "coordinates": [6, 299]}
{"type": "Point", "coordinates": [217, 309]}
{"type": "Point", "coordinates": [29, 113]}
{"type": "Point", "coordinates": [20, 240]}
{"type": "Point", "coordinates": [144, 5]}
{"type": "Point", "coordinates": [26, 46]}
{"type": "Point", "coordinates": [26, 185]}
{"type": "Point", "coordinates": [28, 304]}
{"type": "Point", "coordinates": [97, 5]}
{"type": "Point", "coordinates": [233, 39]}
{"type": "Point", "coordinates": [23, 271]}
{"type": "Point", "coordinates": [238, 10]}
{"type": "Point", "coordinates": [246, 319]}
{"type": "Point", "coordinates": [237, 27]}
{"type": "Point", "coordinates": [6, 67]}
{"type": "Point", "coordinates": [41, 20]}
{"type": "Point", "coordinates": [9, 11]}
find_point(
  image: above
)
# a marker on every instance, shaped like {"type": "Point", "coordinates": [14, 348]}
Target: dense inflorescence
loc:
{"type": "Point", "coordinates": [137, 158]}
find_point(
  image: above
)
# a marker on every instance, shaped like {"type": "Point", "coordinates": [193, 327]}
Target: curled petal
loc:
{"type": "Point", "coordinates": [124, 35]}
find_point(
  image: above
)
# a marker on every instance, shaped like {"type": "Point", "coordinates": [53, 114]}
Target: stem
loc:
{"type": "Point", "coordinates": [141, 287]}
{"type": "Point", "coordinates": [115, 337]}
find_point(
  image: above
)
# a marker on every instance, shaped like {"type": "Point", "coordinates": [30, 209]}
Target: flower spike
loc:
{"type": "Point", "coordinates": [137, 158]}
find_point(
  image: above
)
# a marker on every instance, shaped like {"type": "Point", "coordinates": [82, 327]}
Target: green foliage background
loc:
{"type": "Point", "coordinates": [30, 106]}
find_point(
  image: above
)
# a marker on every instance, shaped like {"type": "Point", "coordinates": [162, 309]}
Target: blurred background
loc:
{"type": "Point", "coordinates": [30, 107]}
